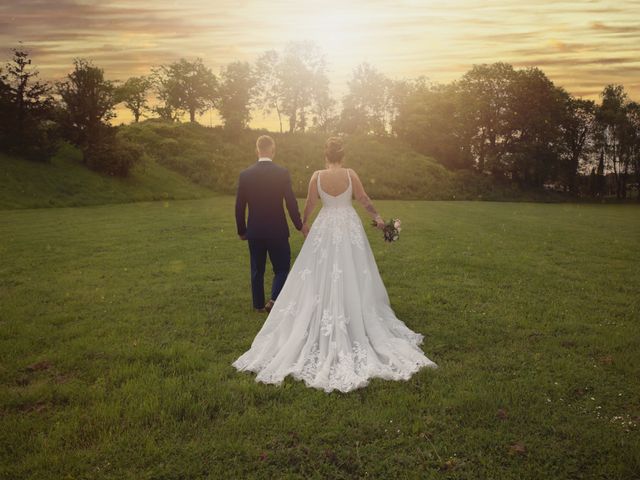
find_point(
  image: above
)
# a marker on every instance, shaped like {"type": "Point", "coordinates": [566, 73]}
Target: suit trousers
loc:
{"type": "Point", "coordinates": [279, 253]}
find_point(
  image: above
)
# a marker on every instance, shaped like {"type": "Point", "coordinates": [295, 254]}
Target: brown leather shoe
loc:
{"type": "Point", "coordinates": [260, 310]}
{"type": "Point", "coordinates": [269, 305]}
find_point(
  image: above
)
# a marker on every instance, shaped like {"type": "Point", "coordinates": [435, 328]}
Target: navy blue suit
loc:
{"type": "Point", "coordinates": [263, 187]}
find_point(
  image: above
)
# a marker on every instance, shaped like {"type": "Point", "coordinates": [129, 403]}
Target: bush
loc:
{"type": "Point", "coordinates": [116, 157]}
{"type": "Point", "coordinates": [38, 141]}
{"type": "Point", "coordinates": [42, 141]}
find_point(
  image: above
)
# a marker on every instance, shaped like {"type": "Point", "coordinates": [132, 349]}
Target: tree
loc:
{"type": "Point", "coordinates": [88, 100]}
{"type": "Point", "coordinates": [323, 110]}
{"type": "Point", "coordinates": [165, 89]}
{"type": "Point", "coordinates": [185, 86]}
{"type": "Point", "coordinates": [134, 94]}
{"type": "Point", "coordinates": [366, 104]}
{"type": "Point", "coordinates": [26, 108]}
{"type": "Point", "coordinates": [269, 86]}
{"type": "Point", "coordinates": [577, 129]}
{"type": "Point", "coordinates": [533, 121]}
{"type": "Point", "coordinates": [428, 118]}
{"type": "Point", "coordinates": [613, 135]}
{"type": "Point", "coordinates": [293, 83]}
{"type": "Point", "coordinates": [487, 100]}
{"type": "Point", "coordinates": [6, 108]}
{"type": "Point", "coordinates": [236, 93]}
{"type": "Point", "coordinates": [5, 92]}
{"type": "Point", "coordinates": [399, 93]}
{"type": "Point", "coordinates": [633, 115]}
{"type": "Point", "coordinates": [302, 73]}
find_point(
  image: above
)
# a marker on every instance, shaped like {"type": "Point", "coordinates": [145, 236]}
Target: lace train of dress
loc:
{"type": "Point", "coordinates": [332, 325]}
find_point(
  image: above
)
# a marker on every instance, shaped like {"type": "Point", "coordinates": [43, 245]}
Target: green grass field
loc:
{"type": "Point", "coordinates": [119, 323]}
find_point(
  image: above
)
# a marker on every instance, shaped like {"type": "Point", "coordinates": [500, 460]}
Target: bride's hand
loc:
{"type": "Point", "coordinates": [379, 222]}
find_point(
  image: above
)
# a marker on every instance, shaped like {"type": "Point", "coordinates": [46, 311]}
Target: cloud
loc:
{"type": "Point", "coordinates": [579, 43]}
{"type": "Point", "coordinates": [621, 29]}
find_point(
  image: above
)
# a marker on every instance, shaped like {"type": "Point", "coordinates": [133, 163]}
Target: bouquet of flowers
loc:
{"type": "Point", "coordinates": [391, 229]}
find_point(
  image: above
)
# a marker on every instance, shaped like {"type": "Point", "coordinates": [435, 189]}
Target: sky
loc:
{"type": "Point", "coordinates": [580, 45]}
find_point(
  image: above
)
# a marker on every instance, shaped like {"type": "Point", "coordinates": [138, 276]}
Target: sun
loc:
{"type": "Point", "coordinates": [342, 34]}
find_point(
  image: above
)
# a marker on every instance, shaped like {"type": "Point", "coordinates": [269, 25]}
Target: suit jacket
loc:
{"type": "Point", "coordinates": [262, 187]}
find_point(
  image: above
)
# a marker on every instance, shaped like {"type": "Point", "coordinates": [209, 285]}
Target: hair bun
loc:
{"type": "Point", "coordinates": [334, 150]}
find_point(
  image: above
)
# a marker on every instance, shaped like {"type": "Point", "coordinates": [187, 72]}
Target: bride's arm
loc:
{"type": "Point", "coordinates": [364, 200]}
{"type": "Point", "coordinates": [312, 199]}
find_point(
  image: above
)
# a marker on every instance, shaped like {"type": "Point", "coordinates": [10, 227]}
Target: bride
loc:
{"type": "Point", "coordinates": [332, 326]}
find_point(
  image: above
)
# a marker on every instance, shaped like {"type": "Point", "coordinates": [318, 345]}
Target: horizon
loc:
{"type": "Point", "coordinates": [581, 46]}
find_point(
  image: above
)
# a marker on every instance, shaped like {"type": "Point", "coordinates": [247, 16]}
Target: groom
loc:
{"type": "Point", "coordinates": [263, 187]}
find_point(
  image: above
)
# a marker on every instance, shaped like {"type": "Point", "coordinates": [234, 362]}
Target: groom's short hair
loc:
{"type": "Point", "coordinates": [264, 143]}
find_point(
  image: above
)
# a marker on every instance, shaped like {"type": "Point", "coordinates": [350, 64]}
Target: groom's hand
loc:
{"type": "Point", "coordinates": [242, 237]}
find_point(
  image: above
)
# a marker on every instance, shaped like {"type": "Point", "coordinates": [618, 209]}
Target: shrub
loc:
{"type": "Point", "coordinates": [116, 157]}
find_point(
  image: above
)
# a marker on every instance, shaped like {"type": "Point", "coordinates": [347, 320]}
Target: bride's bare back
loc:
{"type": "Point", "coordinates": [335, 181]}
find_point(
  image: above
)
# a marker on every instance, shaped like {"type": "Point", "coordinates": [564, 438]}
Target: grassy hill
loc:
{"type": "Point", "coordinates": [186, 161]}
{"type": "Point", "coordinates": [389, 168]}
{"type": "Point", "coordinates": [64, 181]}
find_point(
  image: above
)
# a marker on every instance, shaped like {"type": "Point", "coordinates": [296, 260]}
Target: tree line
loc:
{"type": "Point", "coordinates": [517, 125]}
{"type": "Point", "coordinates": [514, 125]}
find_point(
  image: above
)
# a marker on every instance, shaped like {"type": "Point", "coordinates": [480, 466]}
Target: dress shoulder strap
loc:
{"type": "Point", "coordinates": [349, 176]}
{"type": "Point", "coordinates": [318, 181]}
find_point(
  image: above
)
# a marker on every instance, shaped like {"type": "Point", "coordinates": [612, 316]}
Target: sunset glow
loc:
{"type": "Point", "coordinates": [581, 45]}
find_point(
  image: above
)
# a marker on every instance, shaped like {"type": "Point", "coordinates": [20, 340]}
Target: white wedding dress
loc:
{"type": "Point", "coordinates": [332, 326]}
